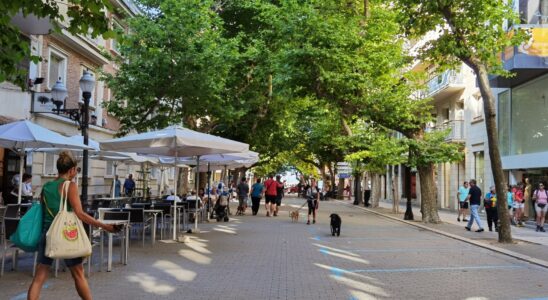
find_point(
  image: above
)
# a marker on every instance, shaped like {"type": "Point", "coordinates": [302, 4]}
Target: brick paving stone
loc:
{"type": "Point", "coordinates": [255, 257]}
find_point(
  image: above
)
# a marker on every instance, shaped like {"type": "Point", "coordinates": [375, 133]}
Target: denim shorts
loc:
{"type": "Point", "coordinates": [43, 259]}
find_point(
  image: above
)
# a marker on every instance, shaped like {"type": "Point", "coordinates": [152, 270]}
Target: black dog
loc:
{"type": "Point", "coordinates": [335, 224]}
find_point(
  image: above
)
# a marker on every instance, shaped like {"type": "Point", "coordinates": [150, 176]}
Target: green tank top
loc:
{"type": "Point", "coordinates": [52, 199]}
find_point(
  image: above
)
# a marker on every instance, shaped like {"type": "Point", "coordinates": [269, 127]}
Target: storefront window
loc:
{"type": "Point", "coordinates": [529, 118]}
{"type": "Point", "coordinates": [503, 125]}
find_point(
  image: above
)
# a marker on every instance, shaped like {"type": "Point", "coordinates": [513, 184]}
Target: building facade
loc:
{"type": "Point", "coordinates": [522, 107]}
{"type": "Point", "coordinates": [65, 57]}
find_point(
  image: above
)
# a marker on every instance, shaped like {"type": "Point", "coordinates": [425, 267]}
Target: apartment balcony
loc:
{"type": "Point", "coordinates": [444, 85]}
{"type": "Point", "coordinates": [456, 130]}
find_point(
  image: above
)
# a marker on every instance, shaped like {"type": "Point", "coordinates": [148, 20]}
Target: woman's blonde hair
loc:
{"type": "Point", "coordinates": [65, 162]}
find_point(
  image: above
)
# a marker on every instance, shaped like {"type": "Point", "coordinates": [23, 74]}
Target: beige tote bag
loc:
{"type": "Point", "coordinates": [66, 238]}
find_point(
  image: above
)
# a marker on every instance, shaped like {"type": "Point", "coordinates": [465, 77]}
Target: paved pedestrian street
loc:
{"type": "Point", "coordinates": [255, 257]}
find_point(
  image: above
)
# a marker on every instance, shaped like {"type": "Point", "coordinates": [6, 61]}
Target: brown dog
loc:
{"type": "Point", "coordinates": [294, 216]}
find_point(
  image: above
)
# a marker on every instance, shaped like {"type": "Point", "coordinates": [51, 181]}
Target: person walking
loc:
{"type": "Point", "coordinates": [462, 194]}
{"type": "Point", "coordinates": [490, 204]}
{"type": "Point", "coordinates": [129, 186]}
{"type": "Point", "coordinates": [271, 191]}
{"type": "Point", "coordinates": [243, 193]}
{"type": "Point", "coordinates": [518, 204]}
{"type": "Point", "coordinates": [279, 193]}
{"type": "Point", "coordinates": [51, 198]}
{"type": "Point", "coordinates": [541, 200]}
{"type": "Point", "coordinates": [474, 197]}
{"type": "Point", "coordinates": [510, 203]}
{"type": "Point", "coordinates": [117, 185]}
{"type": "Point", "coordinates": [257, 190]}
{"type": "Point", "coordinates": [313, 200]}
{"type": "Point", "coordinates": [529, 208]}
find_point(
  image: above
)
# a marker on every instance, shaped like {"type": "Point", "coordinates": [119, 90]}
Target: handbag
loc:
{"type": "Point", "coordinates": [66, 238]}
{"type": "Point", "coordinates": [29, 229]}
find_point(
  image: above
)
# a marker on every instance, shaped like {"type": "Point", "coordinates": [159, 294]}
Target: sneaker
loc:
{"type": "Point", "coordinates": [513, 222]}
{"type": "Point", "coordinates": [458, 219]}
{"type": "Point", "coordinates": [520, 224]}
{"type": "Point", "coordinates": [490, 229]}
{"type": "Point", "coordinates": [308, 222]}
{"type": "Point", "coordinates": [467, 228]}
{"type": "Point", "coordinates": [465, 220]}
{"type": "Point", "coordinates": [314, 222]}
{"type": "Point", "coordinates": [268, 214]}
{"type": "Point", "coordinates": [542, 229]}
{"type": "Point", "coordinates": [537, 228]}
{"type": "Point", "coordinates": [479, 230]}
{"type": "Point", "coordinates": [275, 214]}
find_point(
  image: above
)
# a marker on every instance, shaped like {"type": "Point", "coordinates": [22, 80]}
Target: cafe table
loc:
{"type": "Point", "coordinates": [124, 245]}
{"type": "Point", "coordinates": [154, 213]}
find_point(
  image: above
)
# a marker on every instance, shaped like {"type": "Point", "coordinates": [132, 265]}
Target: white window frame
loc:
{"type": "Point", "coordinates": [477, 101]}
{"type": "Point", "coordinates": [116, 25]}
{"type": "Point", "coordinates": [53, 170]}
{"type": "Point", "coordinates": [63, 56]}
{"type": "Point", "coordinates": [109, 169]}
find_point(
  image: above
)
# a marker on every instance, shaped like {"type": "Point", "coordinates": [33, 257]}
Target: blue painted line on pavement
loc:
{"type": "Point", "coordinates": [23, 295]}
{"type": "Point", "coordinates": [339, 272]}
{"type": "Point", "coordinates": [386, 239]}
{"type": "Point", "coordinates": [487, 267]}
{"type": "Point", "coordinates": [412, 249]}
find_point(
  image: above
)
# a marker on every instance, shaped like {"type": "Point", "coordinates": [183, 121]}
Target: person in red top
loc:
{"type": "Point", "coordinates": [271, 191]}
{"type": "Point", "coordinates": [518, 203]}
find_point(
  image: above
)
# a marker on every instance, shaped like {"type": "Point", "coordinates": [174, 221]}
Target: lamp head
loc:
{"type": "Point", "coordinates": [59, 92]}
{"type": "Point", "coordinates": [87, 82]}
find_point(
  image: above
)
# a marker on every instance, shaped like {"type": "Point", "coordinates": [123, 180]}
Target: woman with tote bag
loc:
{"type": "Point", "coordinates": [53, 194]}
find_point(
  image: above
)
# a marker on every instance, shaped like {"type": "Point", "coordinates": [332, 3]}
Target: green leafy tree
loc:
{"type": "Point", "coordinates": [472, 32]}
{"type": "Point", "coordinates": [82, 16]}
{"type": "Point", "coordinates": [355, 65]}
{"type": "Point", "coordinates": [174, 67]}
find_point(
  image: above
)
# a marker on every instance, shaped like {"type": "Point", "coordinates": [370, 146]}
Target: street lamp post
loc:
{"type": "Point", "coordinates": [81, 115]}
{"type": "Point", "coordinates": [87, 83]}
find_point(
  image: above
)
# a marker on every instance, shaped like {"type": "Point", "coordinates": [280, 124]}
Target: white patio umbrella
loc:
{"type": "Point", "coordinates": [23, 136]}
{"type": "Point", "coordinates": [175, 141]}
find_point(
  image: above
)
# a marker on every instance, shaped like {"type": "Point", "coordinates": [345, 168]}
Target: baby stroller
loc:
{"type": "Point", "coordinates": [220, 210]}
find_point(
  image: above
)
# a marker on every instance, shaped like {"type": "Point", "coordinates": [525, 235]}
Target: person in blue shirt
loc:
{"type": "Point", "coordinates": [257, 191]}
{"type": "Point", "coordinates": [117, 185]}
{"type": "Point", "coordinates": [462, 194]}
{"type": "Point", "coordinates": [129, 186]}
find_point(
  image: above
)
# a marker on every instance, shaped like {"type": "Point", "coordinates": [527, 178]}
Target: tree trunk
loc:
{"type": "Point", "coordinates": [331, 174]}
{"type": "Point", "coordinates": [203, 180]}
{"type": "Point", "coordinates": [358, 194]}
{"type": "Point", "coordinates": [375, 190]}
{"type": "Point", "coordinates": [395, 192]}
{"type": "Point", "coordinates": [184, 180]}
{"type": "Point", "coordinates": [340, 189]}
{"type": "Point", "coordinates": [429, 208]}
{"type": "Point", "coordinates": [505, 232]}
{"type": "Point", "coordinates": [366, 10]}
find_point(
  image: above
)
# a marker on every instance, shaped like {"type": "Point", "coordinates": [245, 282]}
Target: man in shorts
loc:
{"type": "Point", "coordinates": [462, 194]}
{"type": "Point", "coordinates": [271, 192]}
